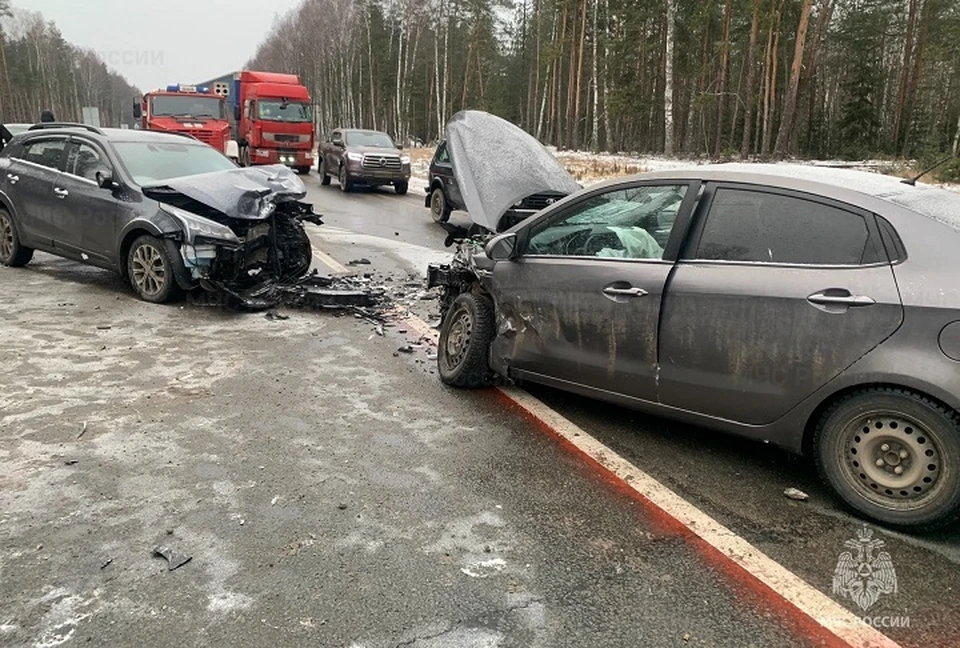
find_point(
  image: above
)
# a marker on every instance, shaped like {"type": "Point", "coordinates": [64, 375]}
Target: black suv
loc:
{"type": "Point", "coordinates": [166, 211]}
{"type": "Point", "coordinates": [444, 195]}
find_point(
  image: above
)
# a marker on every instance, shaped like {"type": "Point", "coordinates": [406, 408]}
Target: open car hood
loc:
{"type": "Point", "coordinates": [497, 164]}
{"type": "Point", "coordinates": [243, 193]}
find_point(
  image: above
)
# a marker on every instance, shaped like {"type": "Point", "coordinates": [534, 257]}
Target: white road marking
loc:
{"type": "Point", "coordinates": [329, 261]}
{"type": "Point", "coordinates": [829, 614]}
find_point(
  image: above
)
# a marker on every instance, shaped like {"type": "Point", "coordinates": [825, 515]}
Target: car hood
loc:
{"type": "Point", "coordinates": [497, 164]}
{"type": "Point", "coordinates": [243, 193]}
{"type": "Point", "coordinates": [375, 150]}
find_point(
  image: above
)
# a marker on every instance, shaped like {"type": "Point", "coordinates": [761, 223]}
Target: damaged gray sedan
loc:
{"type": "Point", "coordinates": [814, 309]}
{"type": "Point", "coordinates": [168, 212]}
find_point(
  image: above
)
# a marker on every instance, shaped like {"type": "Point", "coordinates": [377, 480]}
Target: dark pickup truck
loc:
{"type": "Point", "coordinates": [363, 157]}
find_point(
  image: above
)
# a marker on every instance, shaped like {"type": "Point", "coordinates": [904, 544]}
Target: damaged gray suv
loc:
{"type": "Point", "coordinates": [815, 309]}
{"type": "Point", "coordinates": [166, 211]}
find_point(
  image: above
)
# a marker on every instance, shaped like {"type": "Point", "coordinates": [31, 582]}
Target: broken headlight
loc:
{"type": "Point", "coordinates": [197, 227]}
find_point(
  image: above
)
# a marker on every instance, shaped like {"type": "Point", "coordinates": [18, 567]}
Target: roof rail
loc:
{"type": "Point", "coordinates": [44, 125]}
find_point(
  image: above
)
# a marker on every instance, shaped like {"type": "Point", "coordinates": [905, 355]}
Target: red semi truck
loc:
{"type": "Point", "coordinates": [272, 117]}
{"type": "Point", "coordinates": [193, 110]}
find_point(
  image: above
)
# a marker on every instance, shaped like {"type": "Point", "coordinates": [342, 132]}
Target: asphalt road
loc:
{"type": "Point", "coordinates": [740, 483]}
{"type": "Point", "coordinates": [329, 491]}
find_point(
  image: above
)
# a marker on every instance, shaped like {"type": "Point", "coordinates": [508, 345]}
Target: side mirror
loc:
{"type": "Point", "coordinates": [105, 180]}
{"type": "Point", "coordinates": [502, 247]}
{"type": "Point", "coordinates": [399, 147]}
{"type": "Point", "coordinates": [137, 110]}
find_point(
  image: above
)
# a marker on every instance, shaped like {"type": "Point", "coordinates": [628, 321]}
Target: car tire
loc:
{"type": "Point", "coordinates": [401, 187]}
{"type": "Point", "coordinates": [151, 272]}
{"type": "Point", "coordinates": [12, 252]}
{"type": "Point", "coordinates": [245, 156]}
{"type": "Point", "coordinates": [345, 184]}
{"type": "Point", "coordinates": [465, 337]}
{"type": "Point", "coordinates": [893, 456]}
{"type": "Point", "coordinates": [324, 176]}
{"type": "Point", "coordinates": [439, 209]}
{"type": "Point", "coordinates": [303, 170]}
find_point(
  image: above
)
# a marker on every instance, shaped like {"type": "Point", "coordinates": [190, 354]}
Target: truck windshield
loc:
{"type": "Point", "coordinates": [369, 138]}
{"type": "Point", "coordinates": [149, 162]}
{"type": "Point", "coordinates": [186, 106]}
{"type": "Point", "coordinates": [291, 111]}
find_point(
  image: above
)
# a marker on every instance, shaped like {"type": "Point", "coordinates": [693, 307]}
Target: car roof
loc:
{"type": "Point", "coordinates": [865, 189]}
{"type": "Point", "coordinates": [114, 134]}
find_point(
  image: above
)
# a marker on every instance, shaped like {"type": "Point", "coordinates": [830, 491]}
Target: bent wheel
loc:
{"type": "Point", "coordinates": [465, 337]}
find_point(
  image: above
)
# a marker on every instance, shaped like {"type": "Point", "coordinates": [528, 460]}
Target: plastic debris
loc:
{"type": "Point", "coordinates": [794, 494]}
{"type": "Point", "coordinates": [174, 560]}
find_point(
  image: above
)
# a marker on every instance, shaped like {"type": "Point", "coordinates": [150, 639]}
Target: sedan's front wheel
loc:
{"type": "Point", "coordinates": [150, 269]}
{"type": "Point", "coordinates": [465, 338]}
{"type": "Point", "coordinates": [894, 456]}
{"type": "Point", "coordinates": [12, 252]}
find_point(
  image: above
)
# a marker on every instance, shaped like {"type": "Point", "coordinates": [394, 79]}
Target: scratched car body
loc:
{"type": "Point", "coordinates": [815, 309]}
{"type": "Point", "coordinates": [165, 211]}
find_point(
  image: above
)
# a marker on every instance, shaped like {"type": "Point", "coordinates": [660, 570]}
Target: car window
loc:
{"type": "Point", "coordinates": [152, 161]}
{"type": "Point", "coordinates": [442, 154]}
{"type": "Point", "coordinates": [632, 223]}
{"type": "Point", "coordinates": [85, 161]}
{"type": "Point", "coordinates": [757, 226]}
{"type": "Point", "coordinates": [369, 138]}
{"type": "Point", "coordinates": [45, 152]}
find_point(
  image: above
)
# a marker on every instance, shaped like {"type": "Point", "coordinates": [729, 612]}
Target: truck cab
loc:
{"type": "Point", "coordinates": [192, 110]}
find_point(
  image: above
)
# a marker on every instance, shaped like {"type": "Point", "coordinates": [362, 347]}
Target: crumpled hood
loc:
{"type": "Point", "coordinates": [497, 164]}
{"type": "Point", "coordinates": [242, 192]}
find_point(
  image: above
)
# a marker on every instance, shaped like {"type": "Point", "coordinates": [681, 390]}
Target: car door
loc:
{"type": "Point", "coordinates": [442, 168]}
{"type": "Point", "coordinates": [86, 223]}
{"type": "Point", "coordinates": [779, 294]}
{"type": "Point", "coordinates": [580, 304]}
{"type": "Point", "coordinates": [334, 151]}
{"type": "Point", "coordinates": [30, 177]}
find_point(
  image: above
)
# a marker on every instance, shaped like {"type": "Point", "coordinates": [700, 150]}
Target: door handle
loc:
{"type": "Point", "coordinates": [13, 178]}
{"type": "Point", "coordinates": [624, 292]}
{"type": "Point", "coordinates": [841, 300]}
{"type": "Point", "coordinates": [61, 193]}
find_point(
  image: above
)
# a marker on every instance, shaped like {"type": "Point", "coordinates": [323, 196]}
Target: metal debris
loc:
{"type": "Point", "coordinates": [83, 429]}
{"type": "Point", "coordinates": [174, 560]}
{"type": "Point", "coordinates": [795, 494]}
{"type": "Point", "coordinates": [273, 315]}
{"type": "Point", "coordinates": [106, 564]}
{"type": "Point", "coordinates": [359, 262]}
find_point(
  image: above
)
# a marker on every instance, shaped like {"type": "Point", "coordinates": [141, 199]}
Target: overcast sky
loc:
{"type": "Point", "coordinates": [154, 43]}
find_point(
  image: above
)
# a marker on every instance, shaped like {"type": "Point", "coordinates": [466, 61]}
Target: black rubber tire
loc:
{"type": "Point", "coordinates": [12, 252]}
{"type": "Point", "coordinates": [401, 187]}
{"type": "Point", "coordinates": [439, 209]}
{"type": "Point", "coordinates": [244, 156]}
{"type": "Point", "coordinates": [940, 506]}
{"type": "Point", "coordinates": [472, 368]}
{"type": "Point", "coordinates": [303, 170]}
{"type": "Point", "coordinates": [324, 176]}
{"type": "Point", "coordinates": [345, 184]}
{"type": "Point", "coordinates": [170, 289]}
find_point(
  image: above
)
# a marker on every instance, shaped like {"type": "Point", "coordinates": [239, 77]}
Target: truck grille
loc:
{"type": "Point", "coordinates": [371, 161]}
{"type": "Point", "coordinates": [204, 136]}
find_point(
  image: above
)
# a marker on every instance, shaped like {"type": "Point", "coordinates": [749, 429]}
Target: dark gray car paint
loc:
{"type": "Point", "coordinates": [717, 372]}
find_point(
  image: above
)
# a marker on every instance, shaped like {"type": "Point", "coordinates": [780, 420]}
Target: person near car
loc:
{"type": "Point", "coordinates": [47, 116]}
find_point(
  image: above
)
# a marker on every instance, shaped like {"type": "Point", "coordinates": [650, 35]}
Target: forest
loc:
{"type": "Point", "coordinates": [39, 70]}
{"type": "Point", "coordinates": [711, 78]}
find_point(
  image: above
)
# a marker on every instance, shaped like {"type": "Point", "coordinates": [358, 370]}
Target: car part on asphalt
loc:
{"type": "Point", "coordinates": [813, 309]}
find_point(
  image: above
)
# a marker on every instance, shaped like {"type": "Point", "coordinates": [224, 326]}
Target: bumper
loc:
{"type": "Point", "coordinates": [285, 157]}
{"type": "Point", "coordinates": [359, 175]}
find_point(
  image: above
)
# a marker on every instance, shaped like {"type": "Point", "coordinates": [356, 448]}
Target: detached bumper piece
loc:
{"type": "Point", "coordinates": [315, 291]}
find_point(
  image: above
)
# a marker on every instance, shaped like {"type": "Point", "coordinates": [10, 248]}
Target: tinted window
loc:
{"type": "Point", "coordinates": [369, 138]}
{"type": "Point", "coordinates": [46, 152]}
{"type": "Point", "coordinates": [84, 160]}
{"type": "Point", "coordinates": [632, 223]}
{"type": "Point", "coordinates": [757, 226]}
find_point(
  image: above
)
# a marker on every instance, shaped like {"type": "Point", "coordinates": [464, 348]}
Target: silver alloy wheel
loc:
{"type": "Point", "coordinates": [6, 237]}
{"type": "Point", "coordinates": [148, 270]}
{"type": "Point", "coordinates": [458, 339]}
{"type": "Point", "coordinates": [892, 460]}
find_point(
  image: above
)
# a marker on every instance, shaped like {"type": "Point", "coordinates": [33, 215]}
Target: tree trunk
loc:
{"type": "Point", "coordinates": [595, 130]}
{"type": "Point", "coordinates": [904, 73]}
{"type": "Point", "coordinates": [668, 81]}
{"type": "Point", "coordinates": [575, 137]}
{"type": "Point", "coordinates": [724, 64]}
{"type": "Point", "coordinates": [771, 82]}
{"type": "Point", "coordinates": [790, 101]}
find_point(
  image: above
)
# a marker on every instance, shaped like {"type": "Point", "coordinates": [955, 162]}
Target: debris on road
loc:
{"type": "Point", "coordinates": [107, 563]}
{"type": "Point", "coordinates": [273, 316]}
{"type": "Point", "coordinates": [405, 349]}
{"type": "Point", "coordinates": [83, 429]}
{"type": "Point", "coordinates": [379, 330]}
{"type": "Point", "coordinates": [174, 560]}
{"type": "Point", "coordinates": [342, 507]}
{"type": "Point", "coordinates": [70, 462]}
{"type": "Point", "coordinates": [359, 262]}
{"type": "Point", "coordinates": [794, 494]}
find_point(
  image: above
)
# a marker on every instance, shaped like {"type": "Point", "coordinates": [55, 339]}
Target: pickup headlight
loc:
{"type": "Point", "coordinates": [355, 157]}
{"type": "Point", "coordinates": [404, 159]}
{"type": "Point", "coordinates": [199, 227]}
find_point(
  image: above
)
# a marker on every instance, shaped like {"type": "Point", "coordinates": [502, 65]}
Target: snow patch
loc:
{"type": "Point", "coordinates": [484, 568]}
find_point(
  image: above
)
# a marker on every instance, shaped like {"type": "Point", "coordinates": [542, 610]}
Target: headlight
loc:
{"type": "Point", "coordinates": [405, 159]}
{"type": "Point", "coordinates": [197, 226]}
{"type": "Point", "coordinates": [355, 157]}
